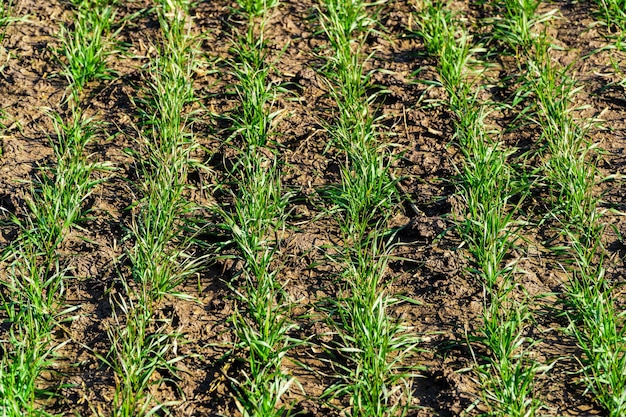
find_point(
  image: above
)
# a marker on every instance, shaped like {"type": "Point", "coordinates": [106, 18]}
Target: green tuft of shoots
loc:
{"type": "Point", "coordinates": [87, 45]}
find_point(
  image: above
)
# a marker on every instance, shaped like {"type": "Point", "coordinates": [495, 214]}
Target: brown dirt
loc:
{"type": "Point", "coordinates": [431, 266]}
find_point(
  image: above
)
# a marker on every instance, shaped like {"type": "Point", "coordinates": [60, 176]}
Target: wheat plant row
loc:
{"type": "Point", "coordinates": [492, 192]}
{"type": "Point", "coordinates": [255, 220]}
{"type": "Point", "coordinates": [33, 292]}
{"type": "Point", "coordinates": [373, 348]}
{"type": "Point", "coordinates": [571, 173]}
{"type": "Point", "coordinates": [161, 256]}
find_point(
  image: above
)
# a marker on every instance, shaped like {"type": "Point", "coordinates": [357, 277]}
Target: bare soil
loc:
{"type": "Point", "coordinates": [431, 268]}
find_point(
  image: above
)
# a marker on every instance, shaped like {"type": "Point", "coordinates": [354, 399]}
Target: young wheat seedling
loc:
{"type": "Point", "coordinates": [87, 47]}
{"type": "Point", "coordinates": [6, 7]}
{"type": "Point", "coordinates": [614, 14]}
{"type": "Point", "coordinates": [515, 22]}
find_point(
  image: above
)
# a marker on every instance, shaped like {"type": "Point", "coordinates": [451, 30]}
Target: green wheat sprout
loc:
{"type": "Point", "coordinates": [86, 47]}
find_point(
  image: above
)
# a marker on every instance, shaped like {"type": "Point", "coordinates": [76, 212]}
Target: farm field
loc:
{"type": "Point", "coordinates": [334, 208]}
